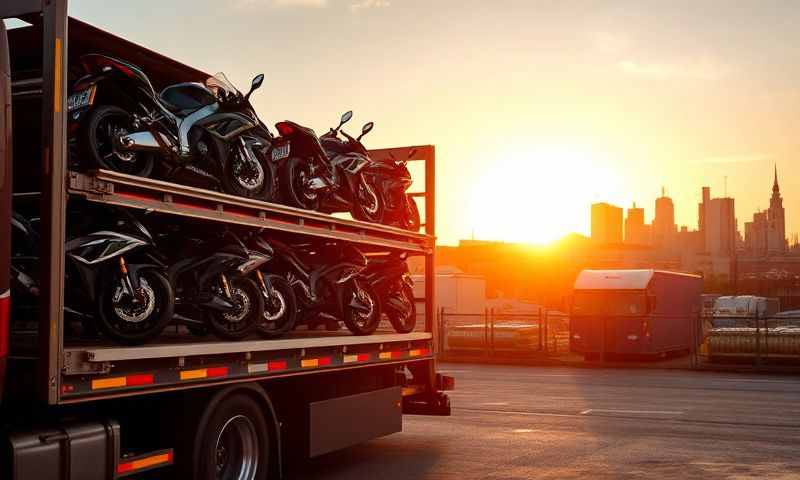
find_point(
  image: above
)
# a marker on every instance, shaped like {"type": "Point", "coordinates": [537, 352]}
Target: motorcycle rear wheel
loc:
{"type": "Point", "coordinates": [106, 122]}
{"type": "Point", "coordinates": [296, 173]}
{"type": "Point", "coordinates": [145, 321]}
{"type": "Point", "coordinates": [241, 322]}
{"type": "Point", "coordinates": [406, 321]}
{"type": "Point", "coordinates": [362, 323]}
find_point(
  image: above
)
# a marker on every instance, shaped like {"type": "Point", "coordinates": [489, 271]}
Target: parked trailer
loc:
{"type": "Point", "coordinates": [634, 312]}
{"type": "Point", "coordinates": [78, 409]}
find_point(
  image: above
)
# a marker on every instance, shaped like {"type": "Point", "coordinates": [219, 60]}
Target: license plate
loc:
{"type": "Point", "coordinates": [280, 152]}
{"type": "Point", "coordinates": [80, 99]}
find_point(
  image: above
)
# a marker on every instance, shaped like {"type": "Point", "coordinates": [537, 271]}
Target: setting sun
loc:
{"type": "Point", "coordinates": [539, 194]}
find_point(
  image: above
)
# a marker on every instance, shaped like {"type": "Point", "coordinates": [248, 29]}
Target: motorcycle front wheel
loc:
{"type": "Point", "coordinates": [248, 179]}
{"type": "Point", "coordinates": [367, 205]}
{"type": "Point", "coordinates": [403, 319]}
{"type": "Point", "coordinates": [104, 125]}
{"type": "Point", "coordinates": [134, 321]}
{"type": "Point", "coordinates": [362, 321]}
{"type": "Point", "coordinates": [280, 309]}
{"type": "Point", "coordinates": [245, 317]}
{"type": "Point", "coordinates": [296, 175]}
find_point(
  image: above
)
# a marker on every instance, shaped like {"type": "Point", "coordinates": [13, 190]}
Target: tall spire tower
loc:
{"type": "Point", "coordinates": [776, 221]}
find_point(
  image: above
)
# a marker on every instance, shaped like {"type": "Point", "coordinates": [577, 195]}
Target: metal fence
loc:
{"type": "Point", "coordinates": [765, 342]}
{"type": "Point", "coordinates": [491, 334]}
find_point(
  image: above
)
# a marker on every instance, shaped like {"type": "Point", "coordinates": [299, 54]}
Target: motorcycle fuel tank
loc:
{"type": "Point", "coordinates": [187, 97]}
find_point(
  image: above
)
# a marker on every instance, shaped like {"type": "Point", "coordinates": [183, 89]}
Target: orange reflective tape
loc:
{"type": "Point", "coordinates": [309, 363]}
{"type": "Point", "coordinates": [114, 382]}
{"type": "Point", "coordinates": [132, 466]}
{"type": "Point", "coordinates": [57, 77]}
{"type": "Point", "coordinates": [194, 374]}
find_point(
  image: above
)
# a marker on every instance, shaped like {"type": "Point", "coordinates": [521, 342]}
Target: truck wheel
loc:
{"type": "Point", "coordinates": [234, 442]}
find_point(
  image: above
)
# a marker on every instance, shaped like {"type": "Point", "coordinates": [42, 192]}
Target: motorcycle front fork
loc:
{"type": "Point", "coordinates": [127, 285]}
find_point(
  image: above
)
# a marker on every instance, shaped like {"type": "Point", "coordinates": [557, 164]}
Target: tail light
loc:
{"type": "Point", "coordinates": [284, 129]}
{"type": "Point", "coordinates": [5, 313]}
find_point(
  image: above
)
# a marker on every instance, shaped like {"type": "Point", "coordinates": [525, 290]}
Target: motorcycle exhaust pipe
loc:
{"type": "Point", "coordinates": [143, 142]}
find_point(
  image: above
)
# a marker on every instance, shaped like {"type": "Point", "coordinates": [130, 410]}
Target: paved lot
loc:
{"type": "Point", "coordinates": [529, 422]}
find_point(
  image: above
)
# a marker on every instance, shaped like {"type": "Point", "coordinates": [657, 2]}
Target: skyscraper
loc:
{"type": "Point", "coordinates": [776, 233]}
{"type": "Point", "coordinates": [606, 223]}
{"type": "Point", "coordinates": [636, 231]}
{"type": "Point", "coordinates": [766, 234]}
{"type": "Point", "coordinates": [664, 228]}
{"type": "Point", "coordinates": [717, 220]}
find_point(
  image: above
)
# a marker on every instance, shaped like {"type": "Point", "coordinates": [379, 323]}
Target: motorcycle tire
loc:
{"type": "Point", "coordinates": [235, 184]}
{"type": "Point", "coordinates": [294, 173]}
{"type": "Point", "coordinates": [372, 213]}
{"type": "Point", "coordinates": [413, 222]}
{"type": "Point", "coordinates": [362, 323]}
{"type": "Point", "coordinates": [242, 322]}
{"type": "Point", "coordinates": [140, 326]}
{"type": "Point", "coordinates": [401, 323]}
{"type": "Point", "coordinates": [275, 324]}
{"type": "Point", "coordinates": [103, 123]}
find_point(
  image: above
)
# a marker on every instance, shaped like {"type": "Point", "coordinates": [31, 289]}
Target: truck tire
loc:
{"type": "Point", "coordinates": [233, 442]}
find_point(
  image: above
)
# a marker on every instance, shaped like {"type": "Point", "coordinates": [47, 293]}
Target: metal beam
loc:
{"type": "Point", "coordinates": [54, 196]}
{"type": "Point", "coordinates": [144, 352]}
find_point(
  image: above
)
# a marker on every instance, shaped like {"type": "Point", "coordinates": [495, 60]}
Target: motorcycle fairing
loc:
{"type": "Point", "coordinates": [100, 246]}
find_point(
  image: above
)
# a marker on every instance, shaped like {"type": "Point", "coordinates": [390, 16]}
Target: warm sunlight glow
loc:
{"type": "Point", "coordinates": [541, 194]}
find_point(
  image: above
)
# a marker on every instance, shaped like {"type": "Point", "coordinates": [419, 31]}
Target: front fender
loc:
{"type": "Point", "coordinates": [135, 268]}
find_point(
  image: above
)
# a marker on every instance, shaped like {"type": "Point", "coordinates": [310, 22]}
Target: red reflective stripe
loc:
{"type": "Point", "coordinates": [362, 357]}
{"type": "Point", "coordinates": [323, 361]}
{"type": "Point", "coordinates": [143, 379]}
{"type": "Point", "coordinates": [277, 365]}
{"type": "Point", "coordinates": [217, 372]}
{"type": "Point", "coordinates": [125, 467]}
{"type": "Point", "coordinates": [425, 351]}
{"type": "Point", "coordinates": [5, 304]}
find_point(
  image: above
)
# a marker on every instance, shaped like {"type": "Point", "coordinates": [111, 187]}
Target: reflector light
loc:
{"type": "Point", "coordinates": [119, 382]}
{"type": "Point", "coordinates": [315, 362]}
{"type": "Point", "coordinates": [277, 365]}
{"type": "Point", "coordinates": [193, 374]}
{"type": "Point", "coordinates": [217, 372]}
{"type": "Point", "coordinates": [160, 459]}
{"type": "Point", "coordinates": [390, 355]}
{"type": "Point", "coordinates": [361, 357]}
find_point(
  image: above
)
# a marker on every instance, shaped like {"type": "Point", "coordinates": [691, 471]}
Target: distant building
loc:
{"type": "Point", "coordinates": [606, 223]}
{"type": "Point", "coordinates": [636, 231]}
{"type": "Point", "coordinates": [766, 234]}
{"type": "Point", "coordinates": [717, 220]}
{"type": "Point", "coordinates": [664, 228]}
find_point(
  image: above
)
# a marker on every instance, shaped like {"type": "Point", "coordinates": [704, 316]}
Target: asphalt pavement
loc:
{"type": "Point", "coordinates": [543, 422]}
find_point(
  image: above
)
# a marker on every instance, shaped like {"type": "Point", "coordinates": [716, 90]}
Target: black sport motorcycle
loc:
{"type": "Point", "coordinates": [391, 280]}
{"type": "Point", "coordinates": [206, 135]}
{"type": "Point", "coordinates": [313, 180]}
{"type": "Point", "coordinates": [113, 278]}
{"type": "Point", "coordinates": [212, 288]}
{"type": "Point", "coordinates": [325, 281]}
{"type": "Point", "coordinates": [280, 303]}
{"type": "Point", "coordinates": [392, 179]}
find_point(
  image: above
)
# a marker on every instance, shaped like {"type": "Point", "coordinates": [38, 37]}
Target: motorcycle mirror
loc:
{"type": "Point", "coordinates": [344, 119]}
{"type": "Point", "coordinates": [366, 129]}
{"type": "Point", "coordinates": [257, 81]}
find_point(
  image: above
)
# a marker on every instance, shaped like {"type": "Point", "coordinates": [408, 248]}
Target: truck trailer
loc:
{"type": "Point", "coordinates": [634, 312]}
{"type": "Point", "coordinates": [185, 406]}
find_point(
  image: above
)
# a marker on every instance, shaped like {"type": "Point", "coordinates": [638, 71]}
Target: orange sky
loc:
{"type": "Point", "coordinates": [536, 108]}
